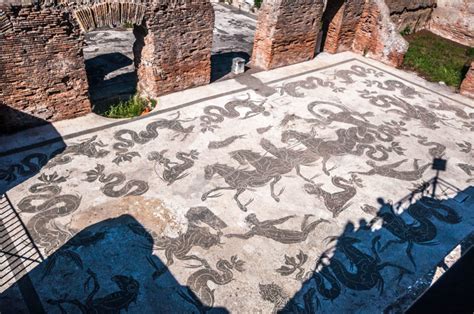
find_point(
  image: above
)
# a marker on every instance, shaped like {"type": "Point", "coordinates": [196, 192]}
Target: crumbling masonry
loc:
{"type": "Point", "coordinates": [42, 68]}
{"type": "Point", "coordinates": [42, 65]}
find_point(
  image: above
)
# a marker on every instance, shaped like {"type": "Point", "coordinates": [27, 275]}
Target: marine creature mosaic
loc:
{"type": "Point", "coordinates": [255, 203]}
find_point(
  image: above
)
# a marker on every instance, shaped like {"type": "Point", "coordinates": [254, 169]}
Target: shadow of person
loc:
{"type": "Point", "coordinates": [20, 158]}
{"type": "Point", "coordinates": [105, 268]}
{"type": "Point", "coordinates": [379, 259]}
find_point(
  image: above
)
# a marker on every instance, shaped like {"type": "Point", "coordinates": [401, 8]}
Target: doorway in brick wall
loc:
{"type": "Point", "coordinates": [109, 60]}
{"type": "Point", "coordinates": [233, 37]}
{"type": "Point", "coordinates": [330, 24]}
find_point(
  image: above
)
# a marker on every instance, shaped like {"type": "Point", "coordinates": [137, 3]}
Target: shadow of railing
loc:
{"type": "Point", "coordinates": [18, 252]}
{"type": "Point", "coordinates": [403, 242]}
{"type": "Point", "coordinates": [106, 268]}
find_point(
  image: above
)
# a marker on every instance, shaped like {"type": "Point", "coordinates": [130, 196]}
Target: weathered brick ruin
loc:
{"type": "Point", "coordinates": [286, 32]}
{"type": "Point", "coordinates": [42, 68]}
{"type": "Point", "coordinates": [42, 64]}
{"type": "Point", "coordinates": [412, 15]}
{"type": "Point", "coordinates": [363, 27]}
{"type": "Point", "coordinates": [467, 86]}
{"type": "Point", "coordinates": [454, 19]}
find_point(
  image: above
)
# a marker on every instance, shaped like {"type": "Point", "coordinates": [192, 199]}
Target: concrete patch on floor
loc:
{"type": "Point", "coordinates": [316, 196]}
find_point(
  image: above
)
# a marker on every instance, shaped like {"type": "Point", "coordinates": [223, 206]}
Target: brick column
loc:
{"type": "Point", "coordinates": [173, 47]}
{"type": "Point", "coordinates": [286, 32]}
{"type": "Point", "coordinates": [467, 86]}
{"type": "Point", "coordinates": [341, 20]}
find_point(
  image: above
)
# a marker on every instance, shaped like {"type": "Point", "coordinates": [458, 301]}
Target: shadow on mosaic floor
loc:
{"type": "Point", "coordinates": [105, 86]}
{"type": "Point", "coordinates": [20, 169]}
{"type": "Point", "coordinates": [378, 254]}
{"type": "Point", "coordinates": [105, 268]}
{"type": "Point", "coordinates": [221, 63]}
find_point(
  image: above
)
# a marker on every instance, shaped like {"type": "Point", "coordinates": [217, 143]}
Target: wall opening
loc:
{"type": "Point", "coordinates": [330, 25]}
{"type": "Point", "coordinates": [233, 37]}
{"type": "Point", "coordinates": [109, 59]}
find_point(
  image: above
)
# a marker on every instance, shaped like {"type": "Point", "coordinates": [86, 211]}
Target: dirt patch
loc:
{"type": "Point", "coordinates": [151, 213]}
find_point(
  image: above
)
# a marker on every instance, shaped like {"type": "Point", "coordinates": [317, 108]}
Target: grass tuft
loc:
{"type": "Point", "coordinates": [437, 59]}
{"type": "Point", "coordinates": [130, 108]}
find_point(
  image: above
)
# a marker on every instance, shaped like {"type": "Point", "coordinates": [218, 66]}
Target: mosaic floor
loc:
{"type": "Point", "coordinates": [317, 197]}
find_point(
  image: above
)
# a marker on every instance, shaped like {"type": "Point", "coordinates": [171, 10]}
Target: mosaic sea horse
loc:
{"type": "Point", "coordinates": [217, 114]}
{"type": "Point", "coordinates": [47, 204]}
{"type": "Point", "coordinates": [240, 181]}
{"type": "Point", "coordinates": [421, 233]}
{"type": "Point", "coordinates": [350, 141]}
{"type": "Point", "coordinates": [126, 139]}
{"type": "Point", "coordinates": [367, 267]}
{"type": "Point", "coordinates": [197, 282]}
{"type": "Point", "coordinates": [336, 202]}
{"type": "Point", "coordinates": [33, 163]}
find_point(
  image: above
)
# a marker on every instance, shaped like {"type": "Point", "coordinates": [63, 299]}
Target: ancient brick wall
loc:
{"type": "Point", "coordinates": [467, 86]}
{"type": "Point", "coordinates": [412, 15]}
{"type": "Point", "coordinates": [364, 27]}
{"type": "Point", "coordinates": [341, 20]}
{"type": "Point", "coordinates": [286, 32]}
{"type": "Point", "coordinates": [42, 67]}
{"type": "Point", "coordinates": [377, 36]}
{"type": "Point", "coordinates": [175, 47]}
{"type": "Point", "coordinates": [454, 19]}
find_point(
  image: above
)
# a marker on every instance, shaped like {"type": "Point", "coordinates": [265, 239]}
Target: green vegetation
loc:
{"type": "Point", "coordinates": [258, 3]}
{"type": "Point", "coordinates": [128, 25]}
{"type": "Point", "coordinates": [438, 59]}
{"type": "Point", "coordinates": [406, 31]}
{"type": "Point", "coordinates": [133, 107]}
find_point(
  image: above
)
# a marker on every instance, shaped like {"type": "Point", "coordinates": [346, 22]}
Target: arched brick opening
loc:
{"type": "Point", "coordinates": [42, 63]}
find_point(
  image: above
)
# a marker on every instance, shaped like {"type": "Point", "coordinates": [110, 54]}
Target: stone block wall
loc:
{"type": "Point", "coordinates": [286, 32]}
{"type": "Point", "coordinates": [173, 48]}
{"type": "Point", "coordinates": [413, 15]}
{"type": "Point", "coordinates": [42, 67]}
{"type": "Point", "coordinates": [467, 86]}
{"type": "Point", "coordinates": [454, 19]}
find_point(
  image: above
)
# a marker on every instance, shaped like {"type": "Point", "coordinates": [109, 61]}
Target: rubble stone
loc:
{"type": "Point", "coordinates": [454, 19]}
{"type": "Point", "coordinates": [411, 15]}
